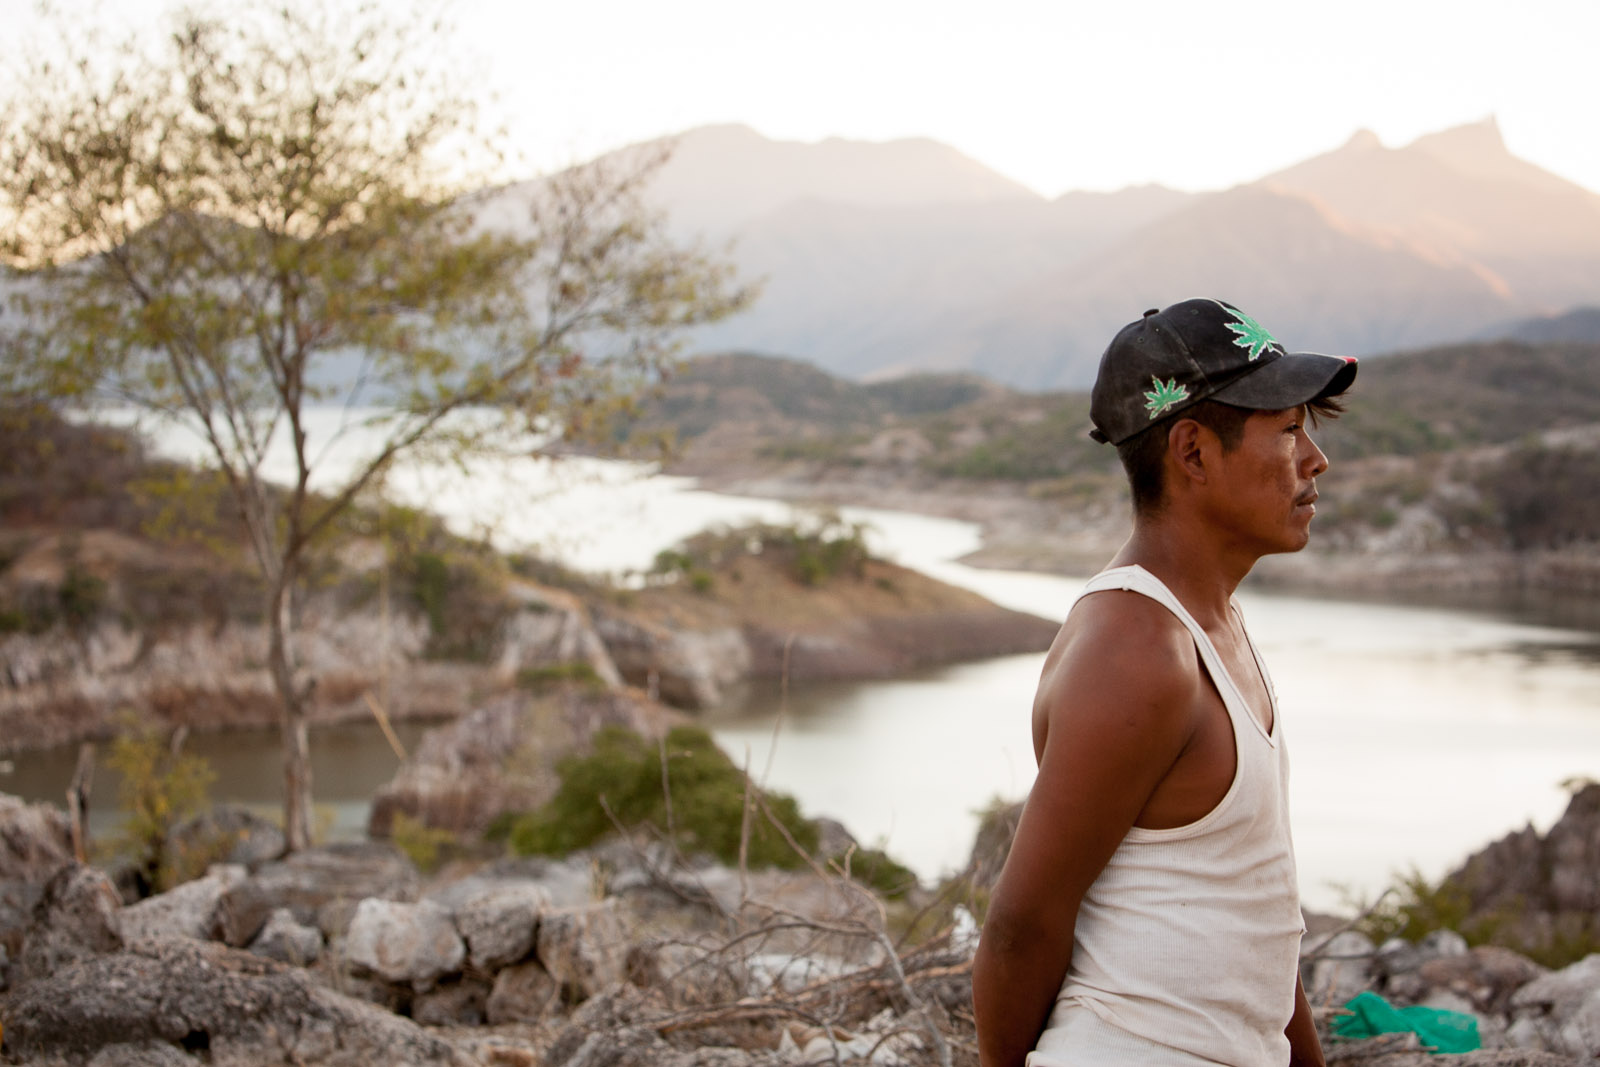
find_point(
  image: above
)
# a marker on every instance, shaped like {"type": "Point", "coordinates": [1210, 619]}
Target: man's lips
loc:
{"type": "Point", "coordinates": [1306, 500]}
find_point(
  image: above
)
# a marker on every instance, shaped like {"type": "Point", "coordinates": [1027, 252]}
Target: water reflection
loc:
{"type": "Point", "coordinates": [1418, 734]}
{"type": "Point", "coordinates": [349, 761]}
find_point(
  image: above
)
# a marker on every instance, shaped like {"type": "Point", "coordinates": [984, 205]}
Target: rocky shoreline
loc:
{"type": "Point", "coordinates": [1075, 535]}
{"type": "Point", "coordinates": [62, 685]}
{"type": "Point", "coordinates": [622, 955]}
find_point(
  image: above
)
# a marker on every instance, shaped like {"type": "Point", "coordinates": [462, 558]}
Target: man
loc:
{"type": "Point", "coordinates": [1148, 913]}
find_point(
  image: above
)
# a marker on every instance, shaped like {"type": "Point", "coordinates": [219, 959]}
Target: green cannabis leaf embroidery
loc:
{"type": "Point", "coordinates": [1251, 334]}
{"type": "Point", "coordinates": [1164, 395]}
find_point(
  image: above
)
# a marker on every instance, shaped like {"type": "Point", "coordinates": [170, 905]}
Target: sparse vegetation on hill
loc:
{"type": "Point", "coordinates": [732, 407]}
{"type": "Point", "coordinates": [1465, 395]}
{"type": "Point", "coordinates": [95, 525]}
{"type": "Point", "coordinates": [1471, 447]}
{"type": "Point", "coordinates": [1407, 404]}
{"type": "Point", "coordinates": [809, 552]}
{"type": "Point", "coordinates": [697, 798]}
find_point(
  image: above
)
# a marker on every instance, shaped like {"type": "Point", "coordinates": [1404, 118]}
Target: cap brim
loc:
{"type": "Point", "coordinates": [1288, 381]}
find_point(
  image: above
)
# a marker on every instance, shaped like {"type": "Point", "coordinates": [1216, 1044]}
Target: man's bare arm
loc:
{"type": "Point", "coordinates": [1305, 1048]}
{"type": "Point", "coordinates": [1117, 698]}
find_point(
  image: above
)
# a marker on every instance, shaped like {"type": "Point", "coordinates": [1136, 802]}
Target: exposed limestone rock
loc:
{"type": "Point", "coordinates": [188, 910]}
{"type": "Point", "coordinates": [288, 941]}
{"type": "Point", "coordinates": [35, 843]}
{"type": "Point", "coordinates": [1560, 1011]}
{"type": "Point", "coordinates": [563, 883]}
{"type": "Point", "coordinates": [248, 838]}
{"type": "Point", "coordinates": [636, 1046]}
{"type": "Point", "coordinates": [524, 993]}
{"type": "Point", "coordinates": [1354, 1056]}
{"type": "Point", "coordinates": [1343, 968]}
{"type": "Point", "coordinates": [413, 943]}
{"type": "Point", "coordinates": [605, 1032]}
{"type": "Point", "coordinates": [312, 884]}
{"type": "Point", "coordinates": [143, 1054]}
{"type": "Point", "coordinates": [79, 915]}
{"type": "Point", "coordinates": [1572, 848]}
{"type": "Point", "coordinates": [885, 646]}
{"type": "Point", "coordinates": [57, 688]}
{"type": "Point", "coordinates": [500, 923]}
{"type": "Point", "coordinates": [1545, 887]}
{"type": "Point", "coordinates": [690, 668]}
{"type": "Point", "coordinates": [240, 1009]}
{"type": "Point", "coordinates": [1487, 976]}
{"type": "Point", "coordinates": [457, 1003]}
{"type": "Point", "coordinates": [502, 757]}
{"type": "Point", "coordinates": [661, 964]}
{"type": "Point", "coordinates": [568, 882]}
{"type": "Point", "coordinates": [584, 948]}
{"type": "Point", "coordinates": [554, 628]}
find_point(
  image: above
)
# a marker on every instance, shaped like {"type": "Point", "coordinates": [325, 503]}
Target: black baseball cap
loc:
{"type": "Point", "coordinates": [1199, 349]}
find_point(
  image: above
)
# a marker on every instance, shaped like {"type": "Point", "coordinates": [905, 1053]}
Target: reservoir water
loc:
{"type": "Point", "coordinates": [1417, 734]}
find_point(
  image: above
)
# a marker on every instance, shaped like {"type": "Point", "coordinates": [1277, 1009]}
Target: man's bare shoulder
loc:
{"type": "Point", "coordinates": [1120, 654]}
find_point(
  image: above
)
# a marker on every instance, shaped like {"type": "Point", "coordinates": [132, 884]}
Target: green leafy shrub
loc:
{"type": "Point", "coordinates": [463, 597]}
{"type": "Point", "coordinates": [430, 585]}
{"type": "Point", "coordinates": [427, 846]}
{"type": "Point", "coordinates": [707, 801]}
{"type": "Point", "coordinates": [160, 787]}
{"type": "Point", "coordinates": [576, 672]}
{"type": "Point", "coordinates": [1416, 907]}
{"type": "Point", "coordinates": [81, 595]}
{"type": "Point", "coordinates": [1546, 496]}
{"type": "Point", "coordinates": [812, 550]}
{"type": "Point", "coordinates": [32, 609]}
{"type": "Point", "coordinates": [876, 868]}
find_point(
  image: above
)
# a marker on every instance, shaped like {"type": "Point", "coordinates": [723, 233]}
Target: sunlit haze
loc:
{"type": "Point", "coordinates": [1059, 96]}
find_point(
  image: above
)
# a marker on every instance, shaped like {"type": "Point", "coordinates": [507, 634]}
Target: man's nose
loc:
{"type": "Point", "coordinates": [1315, 461]}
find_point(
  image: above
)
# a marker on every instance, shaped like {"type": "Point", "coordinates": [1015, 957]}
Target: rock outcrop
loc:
{"type": "Point", "coordinates": [1560, 1011]}
{"type": "Point", "coordinates": [414, 944]}
{"type": "Point", "coordinates": [287, 940]}
{"type": "Point", "coordinates": [619, 954]}
{"type": "Point", "coordinates": [189, 910]}
{"type": "Point", "coordinates": [1540, 890]}
{"type": "Point", "coordinates": [78, 916]}
{"type": "Point", "coordinates": [500, 922]}
{"type": "Point", "coordinates": [687, 668]}
{"type": "Point", "coordinates": [321, 887]}
{"type": "Point", "coordinates": [35, 843]}
{"type": "Point", "coordinates": [235, 1008]}
{"type": "Point", "coordinates": [59, 686]}
{"type": "Point", "coordinates": [502, 757]}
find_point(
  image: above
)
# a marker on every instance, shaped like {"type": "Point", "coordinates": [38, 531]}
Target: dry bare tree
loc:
{"type": "Point", "coordinates": [279, 208]}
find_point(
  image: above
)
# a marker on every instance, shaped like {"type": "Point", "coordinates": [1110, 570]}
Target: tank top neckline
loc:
{"type": "Point", "coordinates": [1208, 650]}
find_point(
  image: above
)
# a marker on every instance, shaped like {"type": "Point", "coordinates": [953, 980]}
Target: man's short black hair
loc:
{"type": "Point", "coordinates": [1144, 454]}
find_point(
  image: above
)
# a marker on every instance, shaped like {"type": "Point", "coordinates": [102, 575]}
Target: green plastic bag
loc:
{"type": "Point", "coordinates": [1439, 1030]}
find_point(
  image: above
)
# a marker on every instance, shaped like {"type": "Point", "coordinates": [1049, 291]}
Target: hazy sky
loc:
{"type": "Point", "coordinates": [1059, 95]}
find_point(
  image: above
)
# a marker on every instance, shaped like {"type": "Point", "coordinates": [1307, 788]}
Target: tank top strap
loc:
{"type": "Point", "coordinates": [1135, 579]}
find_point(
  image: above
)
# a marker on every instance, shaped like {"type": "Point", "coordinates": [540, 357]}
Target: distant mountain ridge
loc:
{"type": "Point", "coordinates": [907, 256]}
{"type": "Point", "coordinates": [1581, 324]}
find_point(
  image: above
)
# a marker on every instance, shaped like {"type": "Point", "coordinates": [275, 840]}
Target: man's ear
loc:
{"type": "Point", "coordinates": [1184, 443]}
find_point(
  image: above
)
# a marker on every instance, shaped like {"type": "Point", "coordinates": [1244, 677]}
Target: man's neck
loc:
{"type": "Point", "coordinates": [1201, 573]}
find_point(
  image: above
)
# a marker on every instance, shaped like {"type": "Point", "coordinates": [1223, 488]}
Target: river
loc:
{"type": "Point", "coordinates": [1418, 734]}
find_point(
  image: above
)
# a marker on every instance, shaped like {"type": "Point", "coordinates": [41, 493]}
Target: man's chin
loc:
{"type": "Point", "coordinates": [1291, 545]}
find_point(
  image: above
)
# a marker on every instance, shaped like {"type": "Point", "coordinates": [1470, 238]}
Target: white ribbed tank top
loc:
{"type": "Point", "coordinates": [1186, 946]}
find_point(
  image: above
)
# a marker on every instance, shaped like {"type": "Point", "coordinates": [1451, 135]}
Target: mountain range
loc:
{"type": "Point", "coordinates": [880, 259]}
